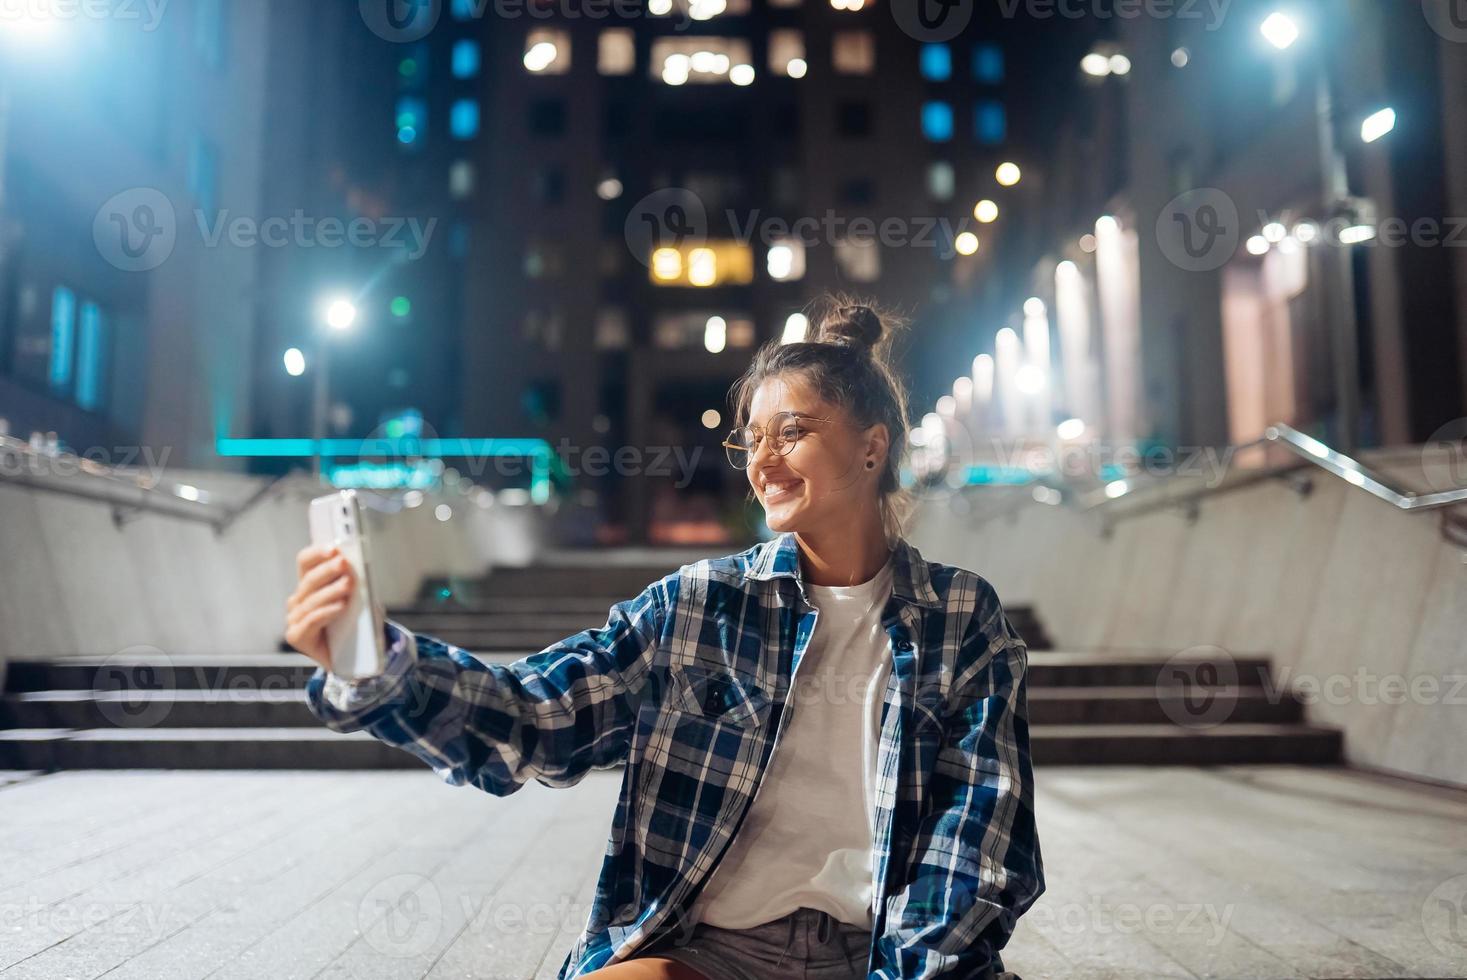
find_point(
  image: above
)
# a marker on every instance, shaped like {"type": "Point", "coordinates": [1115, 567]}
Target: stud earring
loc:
{"type": "Point", "coordinates": [870, 464]}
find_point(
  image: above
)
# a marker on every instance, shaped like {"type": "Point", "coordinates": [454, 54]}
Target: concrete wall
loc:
{"type": "Point", "coordinates": [1339, 588]}
{"type": "Point", "coordinates": [74, 582]}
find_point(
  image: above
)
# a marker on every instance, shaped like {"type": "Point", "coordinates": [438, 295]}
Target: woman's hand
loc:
{"type": "Point", "coordinates": [325, 586]}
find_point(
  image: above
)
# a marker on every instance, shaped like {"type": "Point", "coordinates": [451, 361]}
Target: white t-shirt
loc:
{"type": "Point", "coordinates": [806, 840]}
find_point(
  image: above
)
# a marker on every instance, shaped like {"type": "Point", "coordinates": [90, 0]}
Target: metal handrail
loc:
{"type": "Point", "coordinates": [1310, 451]}
{"type": "Point", "coordinates": [124, 490]}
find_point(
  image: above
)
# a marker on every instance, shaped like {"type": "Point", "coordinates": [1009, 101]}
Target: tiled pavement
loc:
{"type": "Point", "coordinates": [1266, 871]}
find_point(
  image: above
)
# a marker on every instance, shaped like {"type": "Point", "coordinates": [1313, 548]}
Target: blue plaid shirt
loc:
{"type": "Point", "coordinates": [686, 685]}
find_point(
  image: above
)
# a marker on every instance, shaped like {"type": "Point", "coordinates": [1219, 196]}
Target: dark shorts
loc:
{"type": "Point", "coordinates": [807, 944]}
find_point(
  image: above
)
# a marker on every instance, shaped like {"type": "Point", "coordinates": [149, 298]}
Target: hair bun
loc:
{"type": "Point", "coordinates": [856, 326]}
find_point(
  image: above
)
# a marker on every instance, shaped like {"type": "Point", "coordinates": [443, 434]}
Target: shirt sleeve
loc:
{"type": "Point", "coordinates": [552, 716]}
{"type": "Point", "coordinates": [976, 864]}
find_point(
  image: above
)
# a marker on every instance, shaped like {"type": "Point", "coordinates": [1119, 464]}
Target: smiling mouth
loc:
{"type": "Point", "coordinates": [775, 492]}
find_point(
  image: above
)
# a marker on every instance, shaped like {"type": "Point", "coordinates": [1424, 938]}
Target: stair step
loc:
{"type": "Point", "coordinates": [172, 708]}
{"type": "Point", "coordinates": [199, 748]}
{"type": "Point", "coordinates": [1173, 745]}
{"type": "Point", "coordinates": [1097, 705]}
{"type": "Point", "coordinates": [320, 748]}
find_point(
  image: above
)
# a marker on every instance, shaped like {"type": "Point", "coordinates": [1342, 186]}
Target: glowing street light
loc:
{"type": "Point", "coordinates": [1378, 124]}
{"type": "Point", "coordinates": [1008, 174]}
{"type": "Point", "coordinates": [341, 313]}
{"type": "Point", "coordinates": [1095, 65]}
{"type": "Point", "coordinates": [986, 211]}
{"type": "Point", "coordinates": [966, 243]}
{"type": "Point", "coordinates": [295, 362]}
{"type": "Point", "coordinates": [1280, 30]}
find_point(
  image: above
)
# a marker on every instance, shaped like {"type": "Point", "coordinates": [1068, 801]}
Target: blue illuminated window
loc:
{"type": "Point", "coordinates": [937, 121]}
{"type": "Point", "coordinates": [203, 174]}
{"type": "Point", "coordinates": [463, 119]}
{"type": "Point", "coordinates": [90, 354]}
{"type": "Point", "coordinates": [990, 122]}
{"type": "Point", "coordinates": [464, 9]}
{"type": "Point", "coordinates": [465, 59]}
{"type": "Point", "coordinates": [412, 120]}
{"type": "Point", "coordinates": [937, 62]}
{"type": "Point", "coordinates": [988, 63]}
{"type": "Point", "coordinates": [63, 337]}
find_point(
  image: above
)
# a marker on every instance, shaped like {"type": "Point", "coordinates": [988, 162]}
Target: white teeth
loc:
{"type": "Point", "coordinates": [777, 489]}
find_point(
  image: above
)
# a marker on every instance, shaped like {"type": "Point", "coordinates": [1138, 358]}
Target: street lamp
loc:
{"type": "Point", "coordinates": [339, 314]}
{"type": "Point", "coordinates": [1281, 31]}
{"type": "Point", "coordinates": [1378, 124]}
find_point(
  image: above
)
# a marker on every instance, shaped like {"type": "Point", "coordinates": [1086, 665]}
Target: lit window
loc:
{"type": "Point", "coordinates": [463, 119]}
{"type": "Point", "coordinates": [90, 354]}
{"type": "Point", "coordinates": [465, 58]}
{"type": "Point", "coordinates": [710, 330]}
{"type": "Point", "coordinates": [710, 264]}
{"type": "Point", "coordinates": [412, 120]}
{"type": "Point", "coordinates": [937, 62]}
{"type": "Point", "coordinates": [616, 53]}
{"type": "Point", "coordinates": [547, 51]}
{"type": "Point", "coordinates": [209, 31]}
{"type": "Point", "coordinates": [787, 53]}
{"type": "Point", "coordinates": [941, 181]}
{"type": "Point", "coordinates": [461, 179]}
{"type": "Point", "coordinates": [853, 52]}
{"type": "Point", "coordinates": [612, 330]}
{"type": "Point", "coordinates": [203, 177]}
{"type": "Point", "coordinates": [785, 260]}
{"type": "Point", "coordinates": [698, 60]}
{"type": "Point", "coordinates": [990, 122]}
{"type": "Point", "coordinates": [937, 121]}
{"type": "Point", "coordinates": [858, 260]}
{"type": "Point", "coordinates": [988, 63]}
{"type": "Point", "coordinates": [464, 9]}
{"type": "Point", "coordinates": [63, 336]}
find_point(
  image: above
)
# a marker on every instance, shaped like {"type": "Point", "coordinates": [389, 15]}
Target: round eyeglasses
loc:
{"type": "Point", "coordinates": [784, 430]}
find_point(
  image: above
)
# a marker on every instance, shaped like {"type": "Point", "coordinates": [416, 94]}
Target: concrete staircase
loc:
{"type": "Point", "coordinates": [249, 712]}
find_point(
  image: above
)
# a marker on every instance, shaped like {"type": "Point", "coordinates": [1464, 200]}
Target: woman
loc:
{"type": "Point", "coordinates": [892, 833]}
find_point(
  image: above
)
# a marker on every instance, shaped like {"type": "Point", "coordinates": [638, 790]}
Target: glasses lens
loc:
{"type": "Point", "coordinates": [739, 447]}
{"type": "Point", "coordinates": [785, 432]}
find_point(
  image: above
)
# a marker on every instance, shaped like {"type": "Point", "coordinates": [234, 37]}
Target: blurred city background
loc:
{"type": "Point", "coordinates": [1185, 284]}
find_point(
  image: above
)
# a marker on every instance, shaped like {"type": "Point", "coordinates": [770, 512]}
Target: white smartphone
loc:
{"type": "Point", "coordinates": [355, 637]}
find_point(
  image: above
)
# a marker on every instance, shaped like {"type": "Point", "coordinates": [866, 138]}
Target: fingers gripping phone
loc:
{"type": "Point", "coordinates": [354, 637]}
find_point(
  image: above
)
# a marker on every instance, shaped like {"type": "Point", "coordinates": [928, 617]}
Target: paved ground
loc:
{"type": "Point", "coordinates": [1236, 872]}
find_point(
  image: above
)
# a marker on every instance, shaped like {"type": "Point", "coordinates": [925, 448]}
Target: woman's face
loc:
{"type": "Point", "coordinates": [823, 478]}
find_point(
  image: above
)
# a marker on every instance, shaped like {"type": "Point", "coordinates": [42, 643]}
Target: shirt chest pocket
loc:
{"type": "Point", "coordinates": [717, 696]}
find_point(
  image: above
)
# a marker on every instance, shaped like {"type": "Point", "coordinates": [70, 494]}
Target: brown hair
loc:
{"type": "Point", "coordinates": [845, 359]}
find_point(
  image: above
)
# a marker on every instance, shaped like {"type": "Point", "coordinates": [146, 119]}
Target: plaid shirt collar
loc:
{"type": "Point", "coordinates": [909, 578]}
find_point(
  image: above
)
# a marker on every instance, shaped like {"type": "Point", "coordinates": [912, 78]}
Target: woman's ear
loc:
{"type": "Point", "coordinates": [878, 442]}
